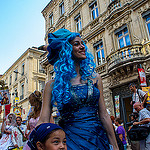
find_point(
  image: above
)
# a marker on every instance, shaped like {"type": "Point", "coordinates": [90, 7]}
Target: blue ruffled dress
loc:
{"type": "Point", "coordinates": [84, 130]}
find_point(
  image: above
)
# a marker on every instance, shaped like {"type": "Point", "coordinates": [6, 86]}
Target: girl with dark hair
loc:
{"type": "Point", "coordinates": [47, 136]}
{"type": "Point", "coordinates": [78, 92]}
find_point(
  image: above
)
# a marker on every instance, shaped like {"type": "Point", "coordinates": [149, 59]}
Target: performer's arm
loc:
{"type": "Point", "coordinates": [104, 117]}
{"type": "Point", "coordinates": [144, 121]}
{"type": "Point", "coordinates": [46, 112]}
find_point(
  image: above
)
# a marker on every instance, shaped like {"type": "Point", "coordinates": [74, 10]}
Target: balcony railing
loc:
{"type": "Point", "coordinates": [127, 54]}
{"type": "Point", "coordinates": [94, 22]}
{"type": "Point", "coordinates": [101, 68]}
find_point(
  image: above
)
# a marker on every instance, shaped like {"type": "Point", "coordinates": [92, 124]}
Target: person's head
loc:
{"type": "Point", "coordinates": [66, 49]}
{"type": "Point", "coordinates": [78, 49]}
{"type": "Point", "coordinates": [112, 119]}
{"type": "Point", "coordinates": [18, 120]}
{"type": "Point", "coordinates": [12, 118]}
{"type": "Point", "coordinates": [138, 106]}
{"type": "Point", "coordinates": [35, 100]}
{"type": "Point", "coordinates": [134, 116]}
{"type": "Point", "coordinates": [132, 87]}
{"type": "Point", "coordinates": [118, 121]}
{"type": "Point", "coordinates": [47, 136]}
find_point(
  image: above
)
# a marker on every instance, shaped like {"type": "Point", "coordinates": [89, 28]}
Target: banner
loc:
{"type": "Point", "coordinates": [7, 109]}
{"type": "Point", "coordinates": [16, 99]}
{"type": "Point", "coordinates": [147, 90]}
{"type": "Point", "coordinates": [117, 106]}
{"type": "Point", "coordinates": [4, 97]}
{"type": "Point", "coordinates": [142, 76]}
{"type": "Point", "coordinates": [17, 111]}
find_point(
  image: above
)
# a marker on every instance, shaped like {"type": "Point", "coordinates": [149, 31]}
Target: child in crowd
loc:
{"type": "Point", "coordinates": [47, 136]}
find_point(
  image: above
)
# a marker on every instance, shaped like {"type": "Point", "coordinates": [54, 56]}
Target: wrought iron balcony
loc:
{"type": "Point", "coordinates": [115, 4]}
{"type": "Point", "coordinates": [101, 68]}
{"type": "Point", "coordinates": [127, 55]}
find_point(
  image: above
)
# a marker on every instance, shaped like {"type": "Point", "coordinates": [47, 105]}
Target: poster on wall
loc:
{"type": "Point", "coordinates": [117, 106]}
{"type": "Point", "coordinates": [17, 111]}
{"type": "Point", "coordinates": [147, 90]}
{"type": "Point", "coordinates": [7, 109]}
{"type": "Point", "coordinates": [16, 99]}
{"type": "Point", "coordinates": [4, 97]}
{"type": "Point", "coordinates": [142, 77]}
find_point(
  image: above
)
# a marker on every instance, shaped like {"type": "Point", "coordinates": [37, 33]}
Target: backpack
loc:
{"type": "Point", "coordinates": [138, 133]}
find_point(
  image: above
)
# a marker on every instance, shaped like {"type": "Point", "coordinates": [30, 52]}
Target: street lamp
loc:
{"type": "Point", "coordinates": [21, 74]}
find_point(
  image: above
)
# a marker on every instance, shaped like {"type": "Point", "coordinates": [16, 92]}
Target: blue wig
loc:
{"type": "Point", "coordinates": [60, 54]}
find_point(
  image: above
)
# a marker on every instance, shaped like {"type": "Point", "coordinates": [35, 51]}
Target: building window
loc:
{"type": "Point", "coordinates": [22, 92]}
{"type": "Point", "coordinates": [78, 23]}
{"type": "Point", "coordinates": [41, 85]}
{"type": "Point", "coordinates": [16, 74]}
{"type": "Point", "coordinates": [99, 50]}
{"type": "Point", "coordinates": [94, 10]}
{"type": "Point", "coordinates": [61, 8]}
{"type": "Point", "coordinates": [23, 69]}
{"type": "Point", "coordinates": [10, 79]}
{"type": "Point", "coordinates": [16, 93]}
{"type": "Point", "coordinates": [16, 100]}
{"type": "Point", "coordinates": [51, 20]}
{"type": "Point", "coordinates": [147, 21]}
{"type": "Point", "coordinates": [123, 37]}
{"type": "Point", "coordinates": [41, 70]}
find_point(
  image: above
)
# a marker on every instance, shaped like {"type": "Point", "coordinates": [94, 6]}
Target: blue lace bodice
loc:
{"type": "Point", "coordinates": [84, 130]}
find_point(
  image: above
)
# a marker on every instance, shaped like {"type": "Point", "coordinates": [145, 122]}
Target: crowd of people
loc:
{"type": "Point", "coordinates": [14, 133]}
{"type": "Point", "coordinates": [142, 118]}
{"type": "Point", "coordinates": [77, 90]}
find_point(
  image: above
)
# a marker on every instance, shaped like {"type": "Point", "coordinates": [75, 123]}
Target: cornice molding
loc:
{"type": "Point", "coordinates": [139, 4]}
{"type": "Point", "coordinates": [94, 33]}
{"type": "Point", "coordinates": [61, 19]}
{"type": "Point", "coordinates": [122, 17]}
{"type": "Point", "coordinates": [75, 9]}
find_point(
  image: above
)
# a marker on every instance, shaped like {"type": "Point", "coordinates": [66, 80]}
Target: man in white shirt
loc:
{"type": "Point", "coordinates": [138, 95]}
{"type": "Point", "coordinates": [17, 136]}
{"type": "Point", "coordinates": [144, 120]}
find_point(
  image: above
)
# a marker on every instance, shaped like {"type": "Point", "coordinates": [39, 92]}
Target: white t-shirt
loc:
{"type": "Point", "coordinates": [144, 113]}
{"type": "Point", "coordinates": [135, 96]}
{"type": "Point", "coordinates": [17, 137]}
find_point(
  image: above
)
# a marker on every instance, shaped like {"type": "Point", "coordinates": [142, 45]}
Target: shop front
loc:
{"type": "Point", "coordinates": [122, 97]}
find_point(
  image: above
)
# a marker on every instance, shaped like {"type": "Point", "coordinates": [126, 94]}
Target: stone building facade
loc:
{"type": "Point", "coordinates": [117, 32]}
{"type": "Point", "coordinates": [23, 77]}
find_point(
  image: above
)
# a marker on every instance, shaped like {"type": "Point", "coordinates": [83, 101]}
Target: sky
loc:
{"type": "Point", "coordinates": [22, 25]}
